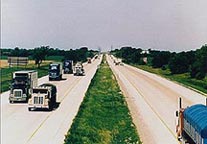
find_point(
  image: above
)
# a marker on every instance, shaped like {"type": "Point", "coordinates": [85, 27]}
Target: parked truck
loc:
{"type": "Point", "coordinates": [22, 84]}
{"type": "Point", "coordinates": [55, 71]}
{"type": "Point", "coordinates": [191, 125]}
{"type": "Point", "coordinates": [78, 69]}
{"type": "Point", "coordinates": [68, 67]}
{"type": "Point", "coordinates": [43, 97]}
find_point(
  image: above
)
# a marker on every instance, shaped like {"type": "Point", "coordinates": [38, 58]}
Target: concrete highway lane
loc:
{"type": "Point", "coordinates": [19, 126]}
{"type": "Point", "coordinates": [153, 101]}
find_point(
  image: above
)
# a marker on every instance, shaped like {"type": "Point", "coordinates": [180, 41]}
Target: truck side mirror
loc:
{"type": "Point", "coordinates": [177, 113]}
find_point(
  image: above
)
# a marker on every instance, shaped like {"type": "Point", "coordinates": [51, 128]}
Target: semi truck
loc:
{"type": "Point", "coordinates": [22, 84]}
{"type": "Point", "coordinates": [43, 97]}
{"type": "Point", "coordinates": [78, 69]}
{"type": "Point", "coordinates": [55, 71]}
{"type": "Point", "coordinates": [68, 67]}
{"type": "Point", "coordinates": [191, 125]}
{"type": "Point", "coordinates": [89, 60]}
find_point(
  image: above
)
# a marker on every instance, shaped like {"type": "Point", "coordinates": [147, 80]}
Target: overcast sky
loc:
{"type": "Point", "coordinates": [175, 25]}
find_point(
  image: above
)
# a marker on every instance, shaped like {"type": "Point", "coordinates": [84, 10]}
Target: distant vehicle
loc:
{"type": "Point", "coordinates": [68, 66]}
{"type": "Point", "coordinates": [89, 60]}
{"type": "Point", "coordinates": [78, 69]}
{"type": "Point", "coordinates": [192, 124]}
{"type": "Point", "coordinates": [22, 84]}
{"type": "Point", "coordinates": [55, 71]}
{"type": "Point", "coordinates": [43, 96]}
{"type": "Point", "coordinates": [96, 56]}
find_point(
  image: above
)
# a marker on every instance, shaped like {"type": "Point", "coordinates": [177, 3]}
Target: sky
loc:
{"type": "Point", "coordinates": [174, 25]}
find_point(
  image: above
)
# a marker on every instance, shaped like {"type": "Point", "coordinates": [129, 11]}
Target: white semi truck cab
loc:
{"type": "Point", "coordinates": [78, 69]}
{"type": "Point", "coordinates": [43, 97]}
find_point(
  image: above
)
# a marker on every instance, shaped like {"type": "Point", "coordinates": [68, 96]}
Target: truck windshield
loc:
{"type": "Point", "coordinates": [40, 91]}
{"type": "Point", "coordinates": [19, 82]}
{"type": "Point", "coordinates": [53, 68]}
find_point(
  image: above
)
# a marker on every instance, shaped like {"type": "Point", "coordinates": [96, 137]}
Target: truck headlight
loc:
{"type": "Point", "coordinates": [46, 101]}
{"type": "Point", "coordinates": [30, 101]}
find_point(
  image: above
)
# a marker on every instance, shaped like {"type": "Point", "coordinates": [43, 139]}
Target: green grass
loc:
{"type": "Point", "coordinates": [55, 58]}
{"type": "Point", "coordinates": [2, 57]}
{"type": "Point", "coordinates": [184, 79]}
{"type": "Point", "coordinates": [6, 74]}
{"type": "Point", "coordinates": [103, 117]}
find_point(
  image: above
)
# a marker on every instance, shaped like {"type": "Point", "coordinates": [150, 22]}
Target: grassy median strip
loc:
{"type": "Point", "coordinates": [103, 116]}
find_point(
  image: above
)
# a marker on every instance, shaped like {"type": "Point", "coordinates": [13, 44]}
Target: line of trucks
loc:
{"type": "Point", "coordinates": [24, 86]}
{"type": "Point", "coordinates": [56, 70]}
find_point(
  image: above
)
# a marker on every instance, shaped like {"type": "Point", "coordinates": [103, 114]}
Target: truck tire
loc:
{"type": "Point", "coordinates": [10, 101]}
{"type": "Point", "coordinates": [29, 109]}
{"type": "Point", "coordinates": [50, 106]}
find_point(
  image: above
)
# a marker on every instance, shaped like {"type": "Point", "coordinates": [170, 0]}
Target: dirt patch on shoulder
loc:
{"type": "Point", "coordinates": [3, 63]}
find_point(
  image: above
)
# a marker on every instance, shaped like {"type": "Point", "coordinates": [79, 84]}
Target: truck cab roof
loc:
{"type": "Point", "coordinates": [26, 71]}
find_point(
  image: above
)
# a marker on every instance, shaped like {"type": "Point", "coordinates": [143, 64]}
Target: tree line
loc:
{"type": "Point", "coordinates": [40, 54]}
{"type": "Point", "coordinates": [194, 62]}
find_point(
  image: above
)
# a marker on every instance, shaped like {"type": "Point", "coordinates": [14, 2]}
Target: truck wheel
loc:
{"type": "Point", "coordinates": [50, 107]}
{"type": "Point", "coordinates": [10, 101]}
{"type": "Point", "coordinates": [29, 109]}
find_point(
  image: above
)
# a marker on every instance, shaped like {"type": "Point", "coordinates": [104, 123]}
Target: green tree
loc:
{"type": "Point", "coordinates": [40, 54]}
{"type": "Point", "coordinates": [160, 58]}
{"type": "Point", "coordinates": [179, 63]}
{"type": "Point", "coordinates": [198, 69]}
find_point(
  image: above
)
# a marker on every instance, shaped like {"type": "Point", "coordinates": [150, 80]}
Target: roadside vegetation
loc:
{"type": "Point", "coordinates": [103, 116]}
{"type": "Point", "coordinates": [41, 56]}
{"type": "Point", "coordinates": [188, 68]}
{"type": "Point", "coordinates": [184, 78]}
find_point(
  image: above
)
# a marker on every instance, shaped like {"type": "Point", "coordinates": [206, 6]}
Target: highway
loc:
{"type": "Point", "coordinates": [19, 126]}
{"type": "Point", "coordinates": [152, 101]}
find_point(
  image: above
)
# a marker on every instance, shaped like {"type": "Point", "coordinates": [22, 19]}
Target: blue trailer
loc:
{"type": "Point", "coordinates": [192, 124]}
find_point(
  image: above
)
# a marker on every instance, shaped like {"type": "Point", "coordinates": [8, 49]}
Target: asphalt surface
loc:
{"type": "Point", "coordinates": [19, 126]}
{"type": "Point", "coordinates": [152, 101]}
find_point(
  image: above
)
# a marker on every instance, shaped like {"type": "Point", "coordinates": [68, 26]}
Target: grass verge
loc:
{"type": "Point", "coordinates": [6, 74]}
{"type": "Point", "coordinates": [103, 117]}
{"type": "Point", "coordinates": [184, 79]}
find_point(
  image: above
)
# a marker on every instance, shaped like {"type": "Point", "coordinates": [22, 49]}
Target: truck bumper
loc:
{"type": "Point", "coordinates": [38, 107]}
{"type": "Point", "coordinates": [15, 99]}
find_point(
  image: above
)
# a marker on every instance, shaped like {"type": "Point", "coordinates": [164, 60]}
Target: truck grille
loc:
{"type": "Point", "coordinates": [18, 93]}
{"type": "Point", "coordinates": [38, 100]}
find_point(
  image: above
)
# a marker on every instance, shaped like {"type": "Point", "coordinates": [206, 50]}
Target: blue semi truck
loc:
{"type": "Point", "coordinates": [192, 124]}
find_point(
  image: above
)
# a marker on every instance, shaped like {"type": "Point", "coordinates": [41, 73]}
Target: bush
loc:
{"type": "Point", "coordinates": [179, 64]}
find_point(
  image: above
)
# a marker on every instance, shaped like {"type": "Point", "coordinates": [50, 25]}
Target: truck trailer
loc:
{"type": "Point", "coordinates": [68, 67]}
{"type": "Point", "coordinates": [43, 97]}
{"type": "Point", "coordinates": [55, 71]}
{"type": "Point", "coordinates": [22, 84]}
{"type": "Point", "coordinates": [192, 124]}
